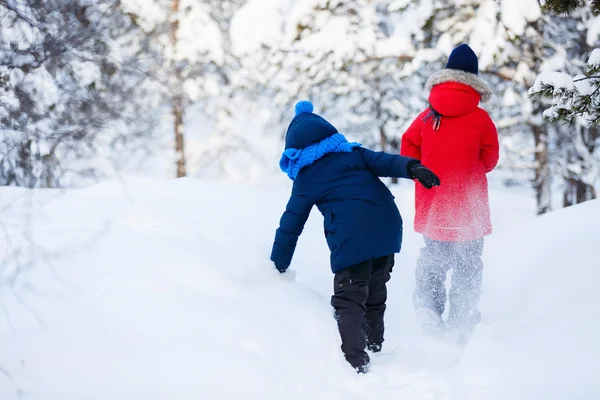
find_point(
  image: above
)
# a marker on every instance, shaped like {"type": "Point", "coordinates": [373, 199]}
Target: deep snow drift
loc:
{"type": "Point", "coordinates": [163, 290]}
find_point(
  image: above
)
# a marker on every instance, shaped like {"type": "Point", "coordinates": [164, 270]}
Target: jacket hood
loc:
{"type": "Point", "coordinates": [455, 93]}
{"type": "Point", "coordinates": [453, 99]}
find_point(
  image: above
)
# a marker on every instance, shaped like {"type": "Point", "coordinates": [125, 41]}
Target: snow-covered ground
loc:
{"type": "Point", "coordinates": [164, 290]}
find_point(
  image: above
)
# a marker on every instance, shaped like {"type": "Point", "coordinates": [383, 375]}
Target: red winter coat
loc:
{"type": "Point", "coordinates": [461, 152]}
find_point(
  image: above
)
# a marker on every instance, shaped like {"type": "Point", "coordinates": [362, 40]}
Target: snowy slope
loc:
{"type": "Point", "coordinates": [163, 290]}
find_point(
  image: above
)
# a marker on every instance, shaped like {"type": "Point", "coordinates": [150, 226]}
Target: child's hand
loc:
{"type": "Point", "coordinates": [424, 175]}
{"type": "Point", "coordinates": [290, 274]}
{"type": "Point", "coordinates": [280, 269]}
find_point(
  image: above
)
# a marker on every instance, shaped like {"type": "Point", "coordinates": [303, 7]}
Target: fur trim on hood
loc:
{"type": "Point", "coordinates": [453, 75]}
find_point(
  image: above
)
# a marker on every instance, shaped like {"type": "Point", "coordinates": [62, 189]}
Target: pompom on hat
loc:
{"type": "Point", "coordinates": [307, 127]}
{"type": "Point", "coordinates": [304, 106]}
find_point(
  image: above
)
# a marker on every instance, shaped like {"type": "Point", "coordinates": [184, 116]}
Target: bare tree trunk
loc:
{"type": "Point", "coordinates": [589, 136]}
{"type": "Point", "coordinates": [533, 51]}
{"type": "Point", "coordinates": [179, 138]}
{"type": "Point", "coordinates": [383, 139]}
{"type": "Point", "coordinates": [385, 143]}
{"type": "Point", "coordinates": [177, 101]}
{"type": "Point", "coordinates": [541, 183]}
{"type": "Point", "coordinates": [576, 190]}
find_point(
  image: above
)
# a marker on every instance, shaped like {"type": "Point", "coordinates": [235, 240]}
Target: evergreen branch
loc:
{"type": "Point", "coordinates": [586, 78]}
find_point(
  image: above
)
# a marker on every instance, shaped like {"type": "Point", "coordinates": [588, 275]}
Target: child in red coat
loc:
{"type": "Point", "coordinates": [458, 141]}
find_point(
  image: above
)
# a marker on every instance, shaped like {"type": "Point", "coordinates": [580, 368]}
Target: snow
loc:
{"type": "Point", "coordinates": [593, 33]}
{"type": "Point", "coordinates": [551, 112]}
{"type": "Point", "coordinates": [485, 33]}
{"type": "Point", "coordinates": [594, 57]}
{"type": "Point", "coordinates": [163, 289]}
{"type": "Point", "coordinates": [19, 34]}
{"type": "Point", "coordinates": [398, 5]}
{"type": "Point", "coordinates": [198, 35]}
{"type": "Point", "coordinates": [300, 11]}
{"type": "Point", "coordinates": [151, 13]}
{"type": "Point", "coordinates": [411, 21]}
{"type": "Point", "coordinates": [86, 72]}
{"type": "Point", "coordinates": [407, 26]}
{"type": "Point", "coordinates": [395, 45]}
{"type": "Point", "coordinates": [332, 36]}
{"type": "Point", "coordinates": [558, 80]}
{"type": "Point", "coordinates": [258, 22]}
{"type": "Point", "coordinates": [557, 62]}
{"type": "Point", "coordinates": [510, 98]}
{"type": "Point", "coordinates": [584, 85]}
{"type": "Point", "coordinates": [517, 13]}
{"type": "Point", "coordinates": [40, 85]}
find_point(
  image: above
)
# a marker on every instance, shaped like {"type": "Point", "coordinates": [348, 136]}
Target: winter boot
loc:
{"type": "Point", "coordinates": [430, 321]}
{"type": "Point", "coordinates": [363, 369]}
{"type": "Point", "coordinates": [459, 329]}
{"type": "Point", "coordinates": [374, 347]}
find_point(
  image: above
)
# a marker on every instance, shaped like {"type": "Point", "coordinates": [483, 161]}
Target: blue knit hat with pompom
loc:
{"type": "Point", "coordinates": [307, 128]}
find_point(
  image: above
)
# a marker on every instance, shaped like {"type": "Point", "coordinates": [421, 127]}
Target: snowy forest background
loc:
{"type": "Point", "coordinates": [91, 89]}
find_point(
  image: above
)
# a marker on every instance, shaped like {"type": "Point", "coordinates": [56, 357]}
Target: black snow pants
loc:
{"type": "Point", "coordinates": [359, 300]}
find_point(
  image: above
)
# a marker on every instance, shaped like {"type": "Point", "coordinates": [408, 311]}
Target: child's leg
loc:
{"type": "Point", "coordinates": [380, 275]}
{"type": "Point", "coordinates": [433, 264]}
{"type": "Point", "coordinates": [466, 285]}
{"type": "Point", "coordinates": [351, 291]}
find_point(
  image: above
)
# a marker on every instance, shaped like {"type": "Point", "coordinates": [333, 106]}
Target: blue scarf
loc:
{"type": "Point", "coordinates": [293, 160]}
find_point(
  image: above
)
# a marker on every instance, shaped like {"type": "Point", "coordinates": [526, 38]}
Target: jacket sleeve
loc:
{"type": "Point", "coordinates": [411, 140]}
{"type": "Point", "coordinates": [291, 226]}
{"type": "Point", "coordinates": [489, 153]}
{"type": "Point", "coordinates": [385, 164]}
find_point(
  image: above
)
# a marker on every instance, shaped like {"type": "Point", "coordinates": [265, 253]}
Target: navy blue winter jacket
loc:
{"type": "Point", "coordinates": [361, 217]}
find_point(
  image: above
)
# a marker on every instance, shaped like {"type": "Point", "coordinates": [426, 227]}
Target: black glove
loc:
{"type": "Point", "coordinates": [423, 174]}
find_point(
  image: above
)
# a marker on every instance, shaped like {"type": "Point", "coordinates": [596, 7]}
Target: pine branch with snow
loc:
{"type": "Point", "coordinates": [571, 97]}
{"type": "Point", "coordinates": [569, 6]}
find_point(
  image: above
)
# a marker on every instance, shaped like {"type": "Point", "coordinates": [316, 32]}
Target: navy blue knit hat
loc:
{"type": "Point", "coordinates": [307, 128]}
{"type": "Point", "coordinates": [464, 59]}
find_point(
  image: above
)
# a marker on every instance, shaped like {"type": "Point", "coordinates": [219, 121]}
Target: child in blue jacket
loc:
{"type": "Point", "coordinates": [363, 227]}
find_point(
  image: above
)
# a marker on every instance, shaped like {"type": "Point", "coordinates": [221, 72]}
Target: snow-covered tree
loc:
{"type": "Point", "coordinates": [189, 54]}
{"type": "Point", "coordinates": [64, 82]}
{"type": "Point", "coordinates": [573, 96]}
{"type": "Point", "coordinates": [570, 87]}
{"type": "Point", "coordinates": [349, 58]}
